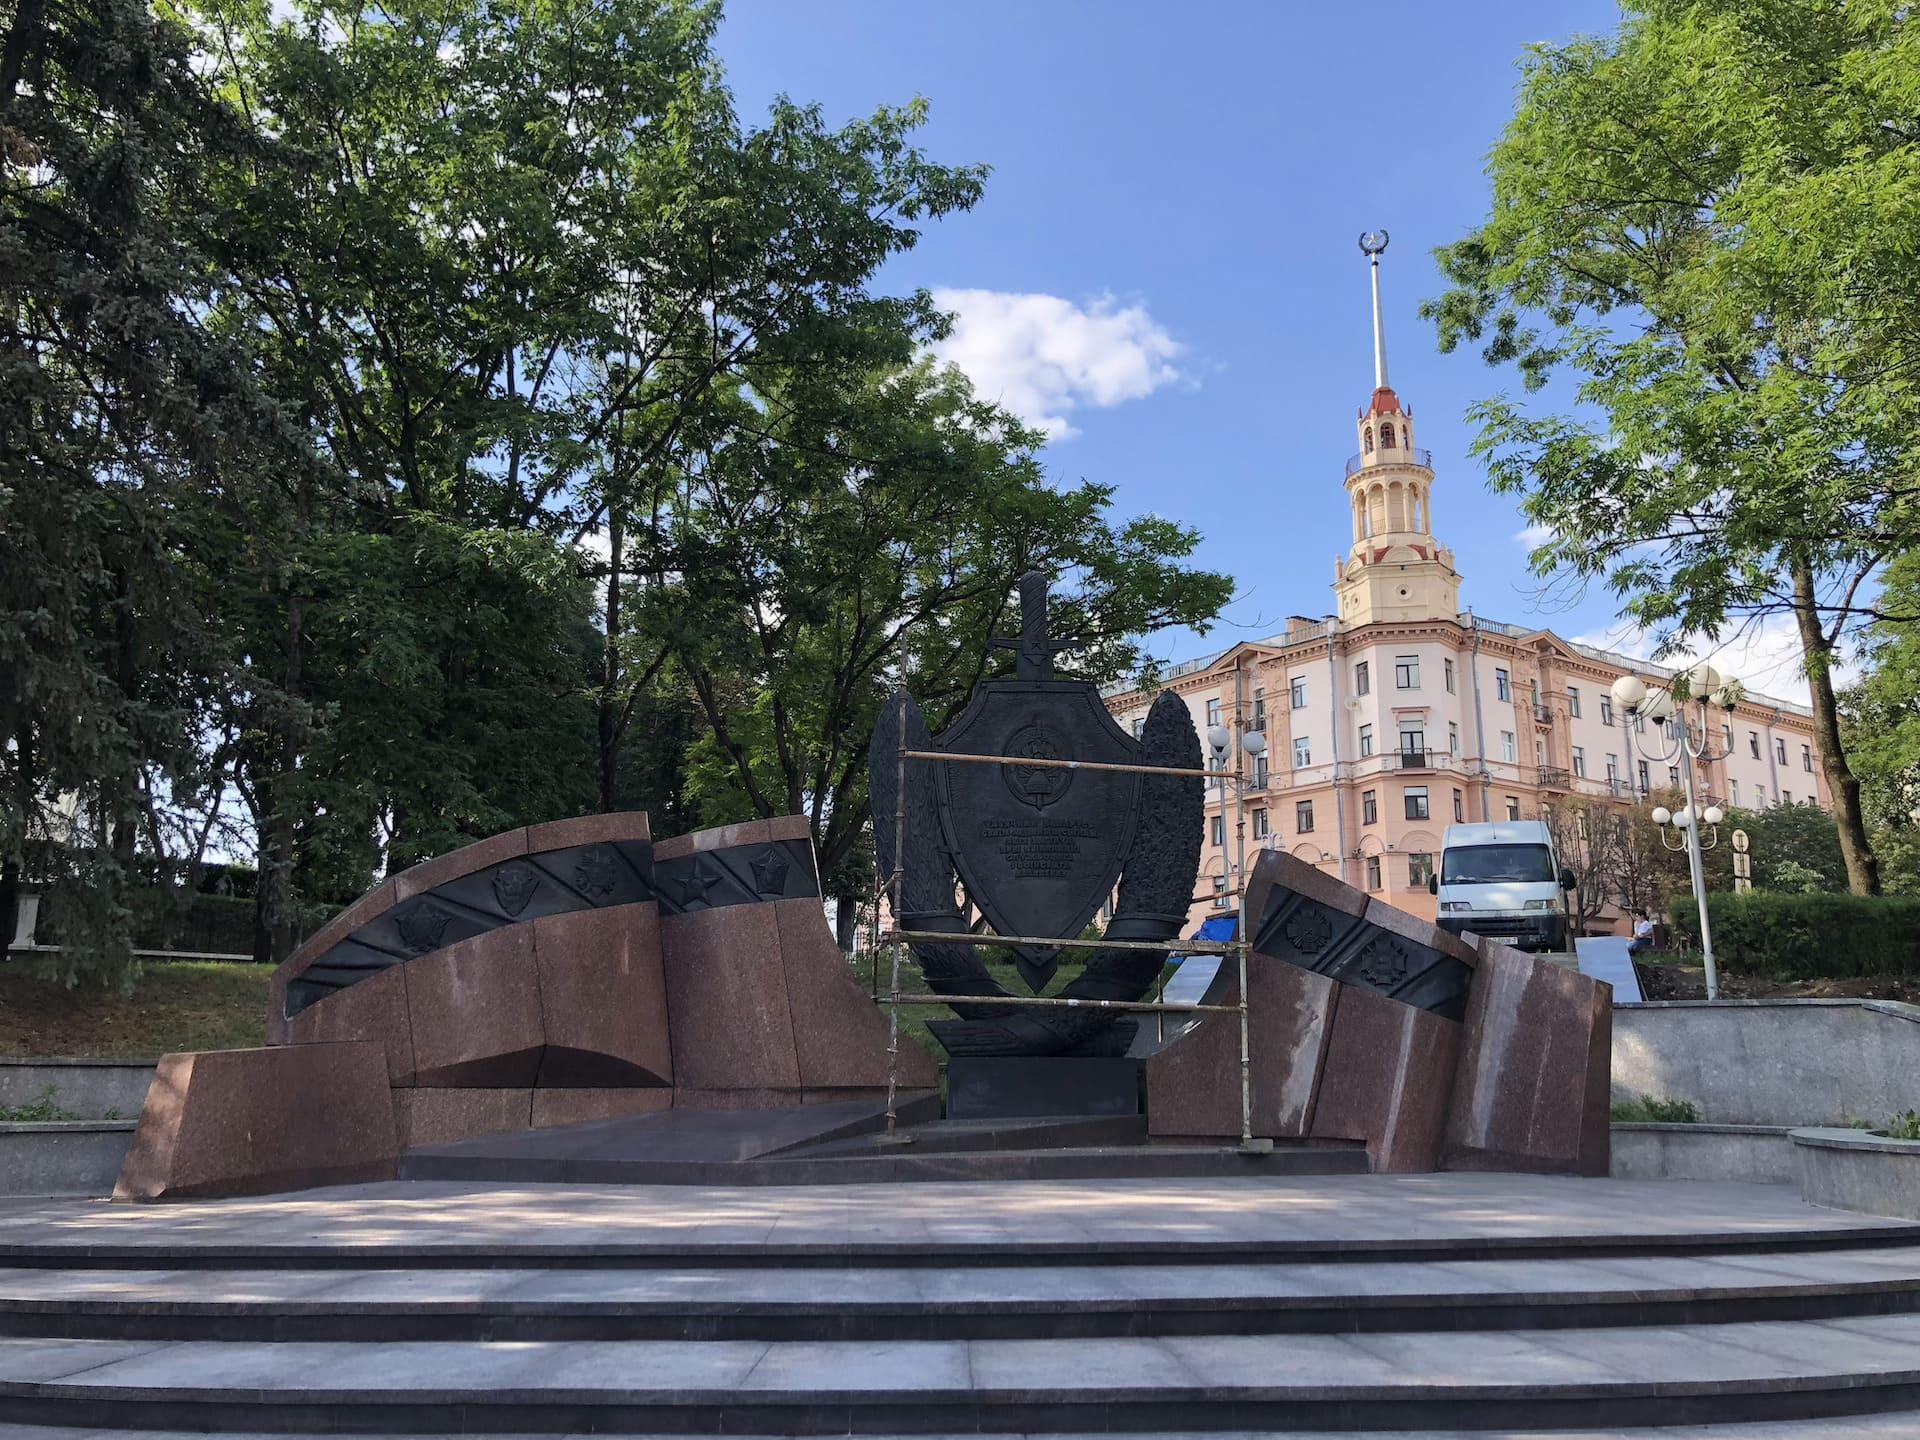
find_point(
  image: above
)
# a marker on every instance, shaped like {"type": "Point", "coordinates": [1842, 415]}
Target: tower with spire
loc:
{"type": "Point", "coordinates": [1396, 570]}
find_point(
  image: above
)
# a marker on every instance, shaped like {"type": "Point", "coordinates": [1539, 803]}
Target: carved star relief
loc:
{"type": "Point", "coordinates": [693, 889]}
{"type": "Point", "coordinates": [770, 872]}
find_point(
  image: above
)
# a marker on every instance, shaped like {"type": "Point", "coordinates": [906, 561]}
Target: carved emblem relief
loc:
{"type": "Point", "coordinates": [421, 928]}
{"type": "Point", "coordinates": [513, 887]}
{"type": "Point", "coordinates": [1384, 962]}
{"type": "Point", "coordinates": [596, 872]}
{"type": "Point", "coordinates": [1308, 930]}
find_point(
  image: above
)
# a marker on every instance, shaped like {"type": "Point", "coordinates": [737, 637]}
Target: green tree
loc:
{"type": "Point", "coordinates": [1882, 717]}
{"type": "Point", "coordinates": [1707, 218]}
{"type": "Point", "coordinates": [863, 536]}
{"type": "Point", "coordinates": [126, 424]}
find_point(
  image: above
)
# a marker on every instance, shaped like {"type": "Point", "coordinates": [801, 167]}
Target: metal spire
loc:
{"type": "Point", "coordinates": [1372, 243]}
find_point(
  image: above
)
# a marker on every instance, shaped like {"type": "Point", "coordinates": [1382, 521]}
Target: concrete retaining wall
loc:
{"type": "Point", "coordinates": [1771, 1062]}
{"type": "Point", "coordinates": [87, 1088]}
{"type": "Point", "coordinates": [1752, 1154]}
{"type": "Point", "coordinates": [1852, 1170]}
{"type": "Point", "coordinates": [72, 1157]}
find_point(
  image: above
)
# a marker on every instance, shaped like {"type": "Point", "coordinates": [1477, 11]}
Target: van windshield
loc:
{"type": "Point", "coordinates": [1483, 864]}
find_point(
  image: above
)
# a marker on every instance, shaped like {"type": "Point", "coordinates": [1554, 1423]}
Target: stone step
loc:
{"type": "Point", "coordinates": [1903, 1425]}
{"type": "Point", "coordinates": [882, 1303]}
{"type": "Point", "coordinates": [1455, 1380]}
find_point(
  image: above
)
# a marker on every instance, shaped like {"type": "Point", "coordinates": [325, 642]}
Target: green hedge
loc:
{"type": "Point", "coordinates": [1808, 937]}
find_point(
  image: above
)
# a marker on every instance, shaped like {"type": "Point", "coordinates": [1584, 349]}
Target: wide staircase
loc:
{"type": "Point", "coordinates": [1004, 1314]}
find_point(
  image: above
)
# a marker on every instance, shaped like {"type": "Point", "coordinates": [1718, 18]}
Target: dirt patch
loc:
{"type": "Point", "coordinates": [180, 1005]}
{"type": "Point", "coordinates": [1689, 982]}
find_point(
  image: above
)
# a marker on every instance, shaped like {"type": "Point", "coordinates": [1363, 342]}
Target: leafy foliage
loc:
{"type": "Point", "coordinates": [1808, 937]}
{"type": "Point", "coordinates": [1649, 1110]}
{"type": "Point", "coordinates": [1707, 220]}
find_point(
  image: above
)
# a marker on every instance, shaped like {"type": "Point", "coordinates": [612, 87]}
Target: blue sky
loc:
{"type": "Point", "coordinates": [1164, 267]}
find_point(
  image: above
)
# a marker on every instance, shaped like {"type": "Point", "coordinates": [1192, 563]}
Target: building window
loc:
{"type": "Point", "coordinates": [1539, 751]}
{"type": "Point", "coordinates": [1213, 713]}
{"type": "Point", "coordinates": [1606, 710]}
{"type": "Point", "coordinates": [1806, 758]}
{"type": "Point", "coordinates": [1734, 787]}
{"type": "Point", "coordinates": [1363, 678]}
{"type": "Point", "coordinates": [1453, 737]}
{"type": "Point", "coordinates": [1260, 709]}
{"type": "Point", "coordinates": [1760, 797]}
{"type": "Point", "coordinates": [1297, 692]}
{"type": "Point", "coordinates": [1366, 741]}
{"type": "Point", "coordinates": [1580, 761]}
{"type": "Point", "coordinates": [1302, 752]}
{"type": "Point", "coordinates": [1386, 436]}
{"type": "Point", "coordinates": [1573, 701]}
{"type": "Point", "coordinates": [1260, 827]}
{"type": "Point", "coordinates": [1645, 784]}
{"type": "Point", "coordinates": [1303, 816]}
{"type": "Point", "coordinates": [1753, 743]}
{"type": "Point", "coordinates": [1673, 776]}
{"type": "Point", "coordinates": [1217, 829]}
{"type": "Point", "coordinates": [1413, 739]}
{"type": "Point", "coordinates": [1139, 725]}
{"type": "Point", "coordinates": [1507, 751]}
{"type": "Point", "coordinates": [1416, 802]}
{"type": "Point", "coordinates": [1446, 673]}
{"type": "Point", "coordinates": [1260, 771]}
{"type": "Point", "coordinates": [1219, 892]}
{"type": "Point", "coordinates": [1786, 797]}
{"type": "Point", "coordinates": [1459, 807]}
{"type": "Point", "coordinates": [1613, 769]}
{"type": "Point", "coordinates": [1366, 440]}
{"type": "Point", "coordinates": [1406, 672]}
{"type": "Point", "coordinates": [1419, 869]}
{"type": "Point", "coordinates": [1779, 749]}
{"type": "Point", "coordinates": [1373, 872]}
{"type": "Point", "coordinates": [1513, 807]}
{"type": "Point", "coordinates": [1502, 685]}
{"type": "Point", "coordinates": [1369, 807]}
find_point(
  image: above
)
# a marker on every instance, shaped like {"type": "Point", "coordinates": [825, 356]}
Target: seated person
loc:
{"type": "Point", "coordinates": [1642, 935]}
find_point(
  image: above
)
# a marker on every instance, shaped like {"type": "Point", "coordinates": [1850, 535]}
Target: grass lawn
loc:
{"type": "Point", "coordinates": [178, 1005]}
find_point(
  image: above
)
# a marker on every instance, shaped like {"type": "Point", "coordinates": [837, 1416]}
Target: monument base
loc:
{"type": "Point", "coordinates": [1000, 1087]}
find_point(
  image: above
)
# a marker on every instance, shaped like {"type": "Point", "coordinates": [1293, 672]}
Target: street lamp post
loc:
{"type": "Point", "coordinates": [1704, 684]}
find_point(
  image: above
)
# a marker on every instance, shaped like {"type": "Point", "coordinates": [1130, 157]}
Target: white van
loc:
{"type": "Point", "coordinates": [1504, 881]}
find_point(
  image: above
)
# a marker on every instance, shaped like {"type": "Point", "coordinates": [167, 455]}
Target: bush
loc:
{"type": "Point", "coordinates": [1808, 937]}
{"type": "Point", "coordinates": [1645, 1109]}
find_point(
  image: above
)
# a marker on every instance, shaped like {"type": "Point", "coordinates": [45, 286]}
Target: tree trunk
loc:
{"type": "Point", "coordinates": [846, 923]}
{"type": "Point", "coordinates": [1863, 870]}
{"type": "Point", "coordinates": [610, 707]}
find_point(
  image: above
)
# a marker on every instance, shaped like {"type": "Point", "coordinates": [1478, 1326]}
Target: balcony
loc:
{"type": "Point", "coordinates": [1551, 777]}
{"type": "Point", "coordinates": [1542, 715]}
{"type": "Point", "coordinates": [1418, 759]}
{"type": "Point", "coordinates": [1419, 455]}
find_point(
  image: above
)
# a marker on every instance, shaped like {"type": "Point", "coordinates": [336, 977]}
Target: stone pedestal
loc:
{"type": "Point", "coordinates": [1010, 1087]}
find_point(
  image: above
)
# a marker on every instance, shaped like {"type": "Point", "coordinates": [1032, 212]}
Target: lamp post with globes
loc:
{"type": "Point", "coordinates": [1704, 685]}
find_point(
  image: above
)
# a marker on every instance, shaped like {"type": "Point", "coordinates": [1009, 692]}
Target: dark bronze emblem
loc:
{"type": "Point", "coordinates": [513, 887]}
{"type": "Point", "coordinates": [596, 873]}
{"type": "Point", "coordinates": [1383, 964]}
{"type": "Point", "coordinates": [421, 928]}
{"type": "Point", "coordinates": [1039, 848]}
{"type": "Point", "coordinates": [1308, 931]}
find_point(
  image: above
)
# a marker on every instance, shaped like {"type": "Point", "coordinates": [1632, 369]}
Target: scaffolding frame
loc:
{"type": "Point", "coordinates": [1239, 947]}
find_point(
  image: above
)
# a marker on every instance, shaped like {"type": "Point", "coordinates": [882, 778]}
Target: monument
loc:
{"type": "Point", "coordinates": [1039, 850]}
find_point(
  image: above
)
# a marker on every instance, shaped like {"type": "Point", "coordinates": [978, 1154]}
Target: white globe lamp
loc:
{"type": "Point", "coordinates": [1662, 815]}
{"type": "Point", "coordinates": [1629, 691]}
{"type": "Point", "coordinates": [1713, 815]}
{"type": "Point", "coordinates": [1659, 708]}
{"type": "Point", "coordinates": [1702, 681]}
{"type": "Point", "coordinates": [1683, 818]}
{"type": "Point", "coordinates": [1255, 743]}
{"type": "Point", "coordinates": [1218, 737]}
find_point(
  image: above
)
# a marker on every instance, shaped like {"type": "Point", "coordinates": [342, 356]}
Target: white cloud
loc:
{"type": "Point", "coordinates": [1043, 357]}
{"type": "Point", "coordinates": [1763, 655]}
{"type": "Point", "coordinates": [1533, 536]}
